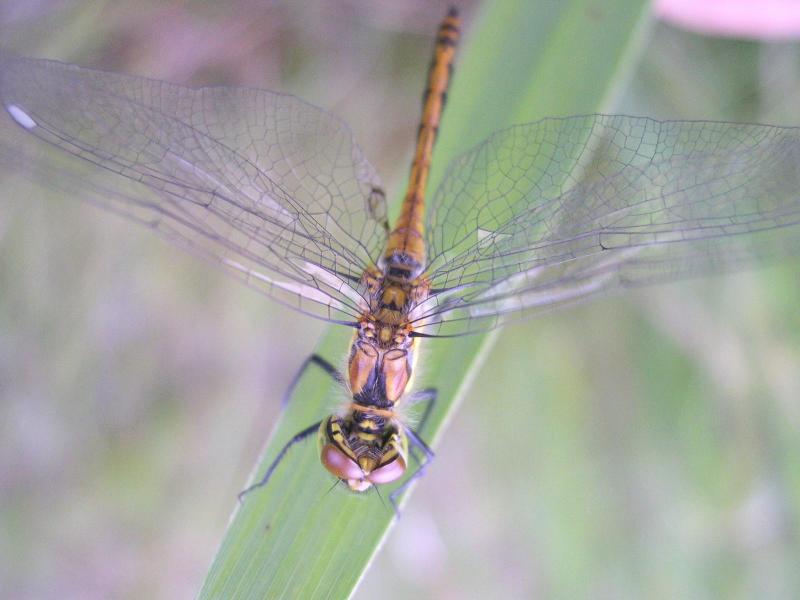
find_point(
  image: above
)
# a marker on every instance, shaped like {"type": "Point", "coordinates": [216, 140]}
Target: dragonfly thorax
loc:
{"type": "Point", "coordinates": [393, 289]}
{"type": "Point", "coordinates": [379, 370]}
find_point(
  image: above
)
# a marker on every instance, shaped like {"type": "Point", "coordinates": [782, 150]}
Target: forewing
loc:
{"type": "Point", "coordinates": [546, 214]}
{"type": "Point", "coordinates": [272, 188]}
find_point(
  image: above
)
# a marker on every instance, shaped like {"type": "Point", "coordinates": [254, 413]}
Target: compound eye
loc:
{"type": "Point", "coordinates": [389, 472]}
{"type": "Point", "coordinates": [338, 463]}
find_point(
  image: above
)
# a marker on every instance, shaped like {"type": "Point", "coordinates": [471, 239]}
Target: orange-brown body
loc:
{"type": "Point", "coordinates": [382, 353]}
{"type": "Point", "coordinates": [368, 445]}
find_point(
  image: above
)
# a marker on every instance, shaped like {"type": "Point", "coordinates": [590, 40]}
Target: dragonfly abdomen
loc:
{"type": "Point", "coordinates": [405, 250]}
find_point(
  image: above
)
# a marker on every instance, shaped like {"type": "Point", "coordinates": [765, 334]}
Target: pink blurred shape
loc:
{"type": "Point", "coordinates": [756, 19]}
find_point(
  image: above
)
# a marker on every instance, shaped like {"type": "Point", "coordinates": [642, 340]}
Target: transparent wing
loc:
{"type": "Point", "coordinates": [549, 213]}
{"type": "Point", "coordinates": [272, 188]}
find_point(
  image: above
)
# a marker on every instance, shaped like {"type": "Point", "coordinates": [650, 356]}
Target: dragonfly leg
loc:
{"type": "Point", "coordinates": [428, 456]}
{"type": "Point", "coordinates": [429, 396]}
{"type": "Point", "coordinates": [298, 437]}
{"type": "Point", "coordinates": [314, 359]}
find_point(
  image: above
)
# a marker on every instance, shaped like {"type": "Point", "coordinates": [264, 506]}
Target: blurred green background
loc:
{"type": "Point", "coordinates": [644, 445]}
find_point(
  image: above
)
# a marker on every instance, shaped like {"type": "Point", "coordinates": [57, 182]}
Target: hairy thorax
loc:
{"type": "Point", "coordinates": [382, 353]}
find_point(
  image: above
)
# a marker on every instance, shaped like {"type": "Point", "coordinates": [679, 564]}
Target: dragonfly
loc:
{"type": "Point", "coordinates": [276, 192]}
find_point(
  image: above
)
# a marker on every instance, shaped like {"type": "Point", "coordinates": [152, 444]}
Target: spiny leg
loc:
{"type": "Point", "coordinates": [428, 395]}
{"type": "Point", "coordinates": [314, 359]}
{"type": "Point", "coordinates": [417, 442]}
{"type": "Point", "coordinates": [298, 437]}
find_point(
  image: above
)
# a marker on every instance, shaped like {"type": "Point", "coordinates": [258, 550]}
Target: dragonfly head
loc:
{"type": "Point", "coordinates": [362, 459]}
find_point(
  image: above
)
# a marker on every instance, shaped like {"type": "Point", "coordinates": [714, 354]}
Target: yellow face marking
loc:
{"type": "Point", "coordinates": [330, 430]}
{"type": "Point", "coordinates": [380, 412]}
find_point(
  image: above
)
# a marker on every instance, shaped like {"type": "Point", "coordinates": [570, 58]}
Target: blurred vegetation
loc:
{"type": "Point", "coordinates": [644, 445]}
